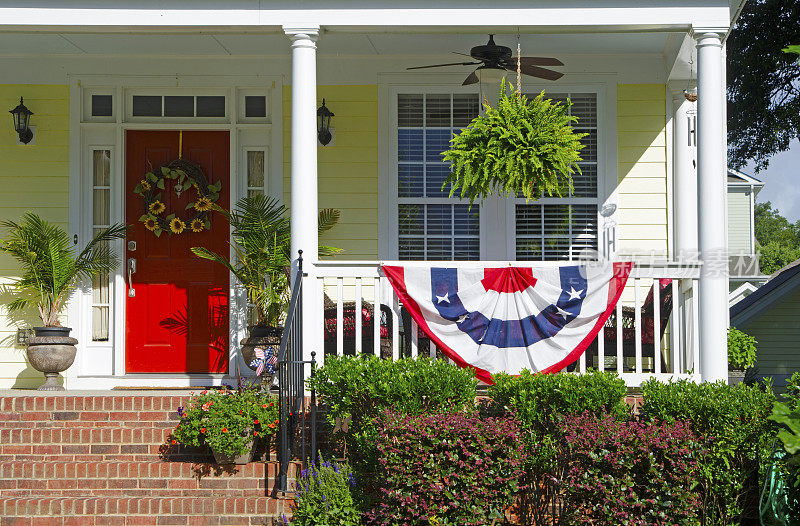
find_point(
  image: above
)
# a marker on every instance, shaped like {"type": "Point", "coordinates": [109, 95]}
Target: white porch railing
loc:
{"type": "Point", "coordinates": [657, 336]}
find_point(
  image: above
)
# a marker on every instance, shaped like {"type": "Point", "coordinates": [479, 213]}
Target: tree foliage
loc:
{"type": "Point", "coordinates": [778, 240]}
{"type": "Point", "coordinates": [521, 147]}
{"type": "Point", "coordinates": [763, 82]}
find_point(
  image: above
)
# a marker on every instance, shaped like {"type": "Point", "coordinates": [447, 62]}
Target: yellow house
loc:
{"type": "Point", "coordinates": [117, 90]}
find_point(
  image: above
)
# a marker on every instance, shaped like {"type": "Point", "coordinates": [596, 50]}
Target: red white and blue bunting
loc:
{"type": "Point", "coordinates": [511, 318]}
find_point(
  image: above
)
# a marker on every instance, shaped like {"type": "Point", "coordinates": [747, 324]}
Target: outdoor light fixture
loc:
{"type": "Point", "coordinates": [22, 119]}
{"type": "Point", "coordinates": [491, 74]}
{"type": "Point", "coordinates": [324, 115]}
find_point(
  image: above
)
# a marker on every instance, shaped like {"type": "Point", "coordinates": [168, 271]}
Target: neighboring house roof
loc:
{"type": "Point", "coordinates": [780, 285]}
{"type": "Point", "coordinates": [739, 179]}
{"type": "Point", "coordinates": [741, 292]}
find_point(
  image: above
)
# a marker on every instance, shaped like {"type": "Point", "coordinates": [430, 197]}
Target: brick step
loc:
{"type": "Point", "coordinates": [38, 407]}
{"type": "Point", "coordinates": [142, 511]}
{"type": "Point", "coordinates": [144, 479]}
{"type": "Point", "coordinates": [145, 433]}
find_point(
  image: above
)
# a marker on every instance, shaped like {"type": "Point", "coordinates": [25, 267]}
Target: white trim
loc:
{"type": "Point", "coordinates": [85, 134]}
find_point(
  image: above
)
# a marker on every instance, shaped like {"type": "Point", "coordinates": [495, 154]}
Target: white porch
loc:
{"type": "Point", "coordinates": [245, 48]}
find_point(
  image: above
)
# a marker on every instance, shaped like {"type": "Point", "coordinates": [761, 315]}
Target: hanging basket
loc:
{"type": "Point", "coordinates": [523, 147]}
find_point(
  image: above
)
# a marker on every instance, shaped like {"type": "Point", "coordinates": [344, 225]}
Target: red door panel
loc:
{"type": "Point", "coordinates": [177, 321]}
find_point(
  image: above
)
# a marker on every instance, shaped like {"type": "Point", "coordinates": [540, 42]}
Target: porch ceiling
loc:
{"type": "Point", "coordinates": [415, 44]}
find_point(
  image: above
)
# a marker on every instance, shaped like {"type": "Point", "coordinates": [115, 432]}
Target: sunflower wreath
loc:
{"type": "Point", "coordinates": [186, 175]}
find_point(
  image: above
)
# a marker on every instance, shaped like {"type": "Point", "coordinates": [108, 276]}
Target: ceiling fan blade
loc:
{"type": "Point", "coordinates": [536, 61]}
{"type": "Point", "coordinates": [535, 71]}
{"type": "Point", "coordinates": [471, 79]}
{"type": "Point", "coordinates": [450, 64]}
{"type": "Point", "coordinates": [462, 54]}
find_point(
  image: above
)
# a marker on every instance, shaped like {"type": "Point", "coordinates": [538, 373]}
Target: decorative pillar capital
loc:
{"type": "Point", "coordinates": [708, 37]}
{"type": "Point", "coordinates": [305, 36]}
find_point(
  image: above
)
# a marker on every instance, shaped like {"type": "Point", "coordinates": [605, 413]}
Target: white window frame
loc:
{"type": "Point", "coordinates": [511, 204]}
{"type": "Point", "coordinates": [394, 200]}
{"type": "Point", "coordinates": [499, 213]}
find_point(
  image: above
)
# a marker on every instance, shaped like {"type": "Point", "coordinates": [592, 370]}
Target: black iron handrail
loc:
{"type": "Point", "coordinates": [291, 385]}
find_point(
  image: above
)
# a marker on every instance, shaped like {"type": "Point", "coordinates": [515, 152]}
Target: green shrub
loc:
{"type": "Point", "coordinates": [356, 390]}
{"type": "Point", "coordinates": [540, 401]}
{"type": "Point", "coordinates": [734, 420]}
{"type": "Point", "coordinates": [454, 469]}
{"type": "Point", "coordinates": [324, 497]}
{"type": "Point", "coordinates": [741, 349]}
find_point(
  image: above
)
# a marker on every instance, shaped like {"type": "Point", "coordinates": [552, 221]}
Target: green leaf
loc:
{"type": "Point", "coordinates": [190, 205]}
{"type": "Point", "coordinates": [165, 171]}
{"type": "Point", "coordinates": [160, 184]}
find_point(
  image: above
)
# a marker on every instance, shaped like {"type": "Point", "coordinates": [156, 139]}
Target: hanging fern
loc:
{"type": "Point", "coordinates": [521, 148]}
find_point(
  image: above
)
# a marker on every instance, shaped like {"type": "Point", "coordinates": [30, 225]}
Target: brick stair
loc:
{"type": "Point", "coordinates": [108, 459]}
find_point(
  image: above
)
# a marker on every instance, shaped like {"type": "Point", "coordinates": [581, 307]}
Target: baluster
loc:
{"type": "Point", "coordinates": [695, 332]}
{"type": "Point", "coordinates": [677, 330]}
{"type": "Point", "coordinates": [657, 325]}
{"type": "Point", "coordinates": [414, 333]}
{"type": "Point", "coordinates": [638, 323]}
{"type": "Point", "coordinates": [395, 326]}
{"type": "Point", "coordinates": [376, 313]}
{"type": "Point", "coordinates": [339, 316]}
{"type": "Point", "coordinates": [601, 348]}
{"type": "Point", "coordinates": [619, 338]}
{"type": "Point", "coordinates": [359, 320]}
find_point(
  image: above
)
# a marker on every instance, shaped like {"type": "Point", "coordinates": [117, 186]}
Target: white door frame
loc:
{"type": "Point", "coordinates": [102, 366]}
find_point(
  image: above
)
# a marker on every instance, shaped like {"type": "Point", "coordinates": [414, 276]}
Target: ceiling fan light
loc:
{"type": "Point", "coordinates": [491, 75]}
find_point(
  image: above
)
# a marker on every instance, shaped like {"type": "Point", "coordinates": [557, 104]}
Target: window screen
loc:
{"type": "Point", "coordinates": [565, 228]}
{"type": "Point", "coordinates": [432, 226]}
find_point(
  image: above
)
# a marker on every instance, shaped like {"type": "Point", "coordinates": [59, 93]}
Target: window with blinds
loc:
{"type": "Point", "coordinates": [432, 226]}
{"type": "Point", "coordinates": [564, 228]}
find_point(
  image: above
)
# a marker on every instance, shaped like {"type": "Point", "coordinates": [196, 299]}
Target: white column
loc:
{"type": "Point", "coordinates": [711, 188]}
{"type": "Point", "coordinates": [303, 204]}
{"type": "Point", "coordinates": [684, 178]}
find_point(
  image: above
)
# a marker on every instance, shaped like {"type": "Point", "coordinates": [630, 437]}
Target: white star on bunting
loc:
{"type": "Point", "coordinates": [444, 298]}
{"type": "Point", "coordinates": [575, 294]}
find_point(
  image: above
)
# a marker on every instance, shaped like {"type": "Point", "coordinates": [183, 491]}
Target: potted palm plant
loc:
{"type": "Point", "coordinates": [260, 235]}
{"type": "Point", "coordinates": [51, 270]}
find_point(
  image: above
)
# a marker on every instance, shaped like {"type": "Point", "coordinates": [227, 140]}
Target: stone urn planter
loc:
{"type": "Point", "coordinates": [51, 350]}
{"type": "Point", "coordinates": [244, 458]}
{"type": "Point", "coordinates": [266, 339]}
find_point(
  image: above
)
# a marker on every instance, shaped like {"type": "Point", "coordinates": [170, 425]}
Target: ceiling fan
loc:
{"type": "Point", "coordinates": [493, 57]}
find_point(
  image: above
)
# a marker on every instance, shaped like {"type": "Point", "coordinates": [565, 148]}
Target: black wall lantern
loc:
{"type": "Point", "coordinates": [22, 119]}
{"type": "Point", "coordinates": [324, 124]}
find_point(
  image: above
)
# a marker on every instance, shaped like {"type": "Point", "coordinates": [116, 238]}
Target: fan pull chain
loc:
{"type": "Point", "coordinates": [519, 68]}
{"type": "Point", "coordinates": [180, 144]}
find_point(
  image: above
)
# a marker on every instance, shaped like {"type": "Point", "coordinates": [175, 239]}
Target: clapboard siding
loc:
{"type": "Point", "coordinates": [348, 170]}
{"type": "Point", "coordinates": [33, 178]}
{"type": "Point", "coordinates": [739, 234]}
{"type": "Point", "coordinates": [777, 331]}
{"type": "Point", "coordinates": [642, 168]}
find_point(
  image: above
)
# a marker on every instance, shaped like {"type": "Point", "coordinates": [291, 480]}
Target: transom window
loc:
{"type": "Point", "coordinates": [431, 225]}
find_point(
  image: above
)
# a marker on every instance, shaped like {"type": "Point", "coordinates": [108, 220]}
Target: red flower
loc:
{"type": "Point", "coordinates": [264, 406]}
{"type": "Point", "coordinates": [174, 441]}
{"type": "Point", "coordinates": [255, 421]}
{"type": "Point", "coordinates": [255, 433]}
{"type": "Point", "coordinates": [272, 426]}
{"type": "Point", "coordinates": [272, 404]}
{"type": "Point", "coordinates": [224, 429]}
{"type": "Point", "coordinates": [202, 429]}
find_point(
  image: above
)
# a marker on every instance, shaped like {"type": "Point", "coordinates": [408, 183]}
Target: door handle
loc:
{"type": "Point", "coordinates": [131, 271]}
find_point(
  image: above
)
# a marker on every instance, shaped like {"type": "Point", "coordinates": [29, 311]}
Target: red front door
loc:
{"type": "Point", "coordinates": [177, 319]}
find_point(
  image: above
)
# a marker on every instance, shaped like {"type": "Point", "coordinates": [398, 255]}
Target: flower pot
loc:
{"type": "Point", "coordinates": [263, 338]}
{"type": "Point", "coordinates": [735, 376]}
{"type": "Point", "coordinates": [51, 351]}
{"type": "Point", "coordinates": [244, 458]}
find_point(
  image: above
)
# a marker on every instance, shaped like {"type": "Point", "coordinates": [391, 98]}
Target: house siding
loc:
{"type": "Point", "coordinates": [347, 170]}
{"type": "Point", "coordinates": [33, 178]}
{"type": "Point", "coordinates": [778, 333]}
{"type": "Point", "coordinates": [739, 234]}
{"type": "Point", "coordinates": [642, 169]}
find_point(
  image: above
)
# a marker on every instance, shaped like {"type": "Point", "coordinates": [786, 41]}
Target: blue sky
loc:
{"type": "Point", "coordinates": [782, 182]}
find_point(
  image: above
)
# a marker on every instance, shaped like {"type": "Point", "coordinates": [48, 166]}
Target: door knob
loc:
{"type": "Point", "coordinates": [131, 271]}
